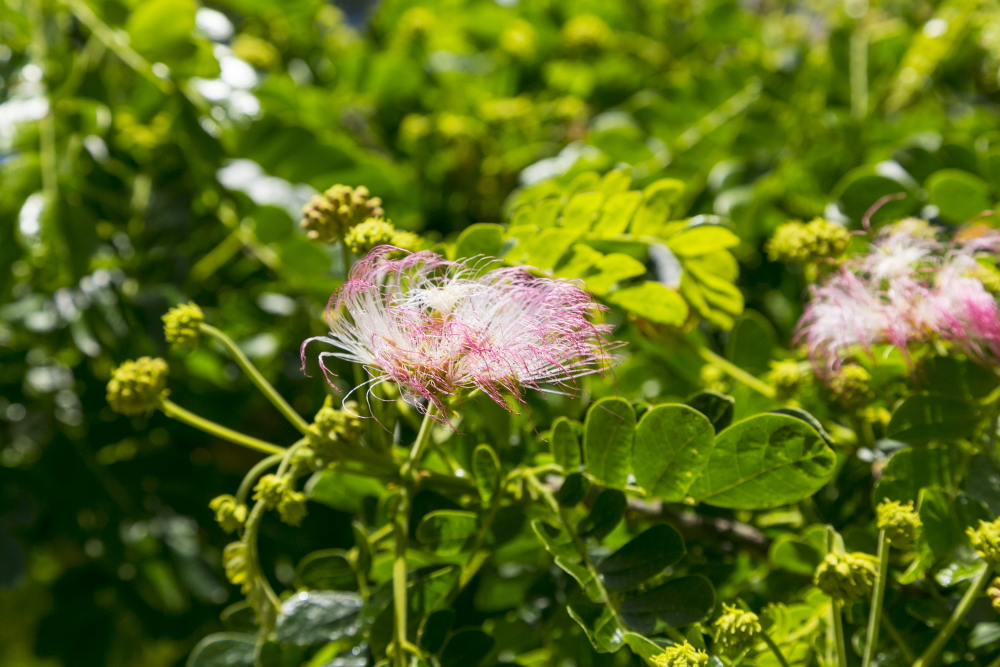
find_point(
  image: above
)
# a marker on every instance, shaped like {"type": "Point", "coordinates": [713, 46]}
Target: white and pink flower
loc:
{"type": "Point", "coordinates": [436, 327]}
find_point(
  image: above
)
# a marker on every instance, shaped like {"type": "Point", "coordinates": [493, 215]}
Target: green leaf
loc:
{"type": "Point", "coordinates": [790, 553]}
{"type": "Point", "coordinates": [673, 443]}
{"type": "Point", "coordinates": [560, 546]}
{"type": "Point", "coordinates": [581, 211]}
{"type": "Point", "coordinates": [327, 569]}
{"type": "Point", "coordinates": [616, 181]}
{"type": "Point", "coordinates": [617, 213]}
{"type": "Point", "coordinates": [983, 483]}
{"type": "Point", "coordinates": [658, 201]}
{"type": "Point", "coordinates": [608, 509]}
{"type": "Point", "coordinates": [223, 649]}
{"type": "Point", "coordinates": [599, 625]}
{"type": "Point", "coordinates": [765, 461]}
{"type": "Point", "coordinates": [607, 444]}
{"type": "Point", "coordinates": [447, 531]}
{"type": "Point", "coordinates": [435, 629]}
{"type": "Point", "coordinates": [584, 258]}
{"type": "Point", "coordinates": [911, 469]}
{"type": "Point", "coordinates": [645, 556]}
{"type": "Point", "coordinates": [479, 239]}
{"type": "Point", "coordinates": [941, 528]}
{"type": "Point", "coordinates": [957, 378]}
{"type": "Point", "coordinates": [612, 269]}
{"type": "Point", "coordinates": [925, 417]}
{"type": "Point", "coordinates": [342, 490]}
{"type": "Point", "coordinates": [676, 603]}
{"type": "Point", "coordinates": [486, 470]}
{"type": "Point", "coordinates": [574, 489]}
{"type": "Point", "coordinates": [654, 302]}
{"type": "Point", "coordinates": [862, 188]}
{"type": "Point", "coordinates": [958, 194]}
{"type": "Point", "coordinates": [642, 647]}
{"type": "Point", "coordinates": [161, 29]}
{"type": "Point", "coordinates": [717, 407]}
{"type": "Point", "coordinates": [466, 648]}
{"type": "Point", "coordinates": [751, 343]}
{"type": "Point", "coordinates": [363, 560]}
{"type": "Point", "coordinates": [548, 247]}
{"type": "Point", "coordinates": [565, 446]}
{"type": "Point", "coordinates": [798, 413]}
{"type": "Point", "coordinates": [702, 240]}
{"type": "Point", "coordinates": [316, 617]}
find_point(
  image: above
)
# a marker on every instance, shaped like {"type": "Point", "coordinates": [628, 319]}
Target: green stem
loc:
{"type": "Point", "coordinates": [175, 411]}
{"type": "Point", "coordinates": [255, 472]}
{"type": "Point", "coordinates": [774, 649]}
{"type": "Point", "coordinates": [838, 632]}
{"type": "Point", "coordinates": [898, 639]}
{"type": "Point", "coordinates": [581, 548]}
{"type": "Point", "coordinates": [878, 598]}
{"type": "Point", "coordinates": [423, 438]}
{"type": "Point", "coordinates": [975, 588]}
{"type": "Point", "coordinates": [259, 381]}
{"type": "Point", "coordinates": [250, 537]}
{"type": "Point", "coordinates": [734, 371]}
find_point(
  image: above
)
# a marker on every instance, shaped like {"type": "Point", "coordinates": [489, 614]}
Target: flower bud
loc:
{"type": "Point", "coordinates": [587, 32]}
{"type": "Point", "coordinates": [369, 234]}
{"type": "Point", "coordinates": [229, 514]}
{"type": "Point", "coordinates": [807, 243]}
{"type": "Point", "coordinates": [180, 325]}
{"type": "Point", "coordinates": [787, 377]}
{"type": "Point", "coordinates": [681, 655]}
{"type": "Point", "coordinates": [339, 425]}
{"type": "Point", "coordinates": [736, 629]}
{"type": "Point", "coordinates": [236, 560]}
{"type": "Point", "coordinates": [845, 577]}
{"type": "Point", "coordinates": [292, 507]}
{"type": "Point", "coordinates": [851, 386]}
{"type": "Point", "coordinates": [136, 387]}
{"type": "Point", "coordinates": [519, 39]}
{"type": "Point", "coordinates": [270, 489]}
{"type": "Point", "coordinates": [986, 541]}
{"type": "Point", "coordinates": [329, 216]}
{"type": "Point", "coordinates": [993, 592]}
{"type": "Point", "coordinates": [899, 521]}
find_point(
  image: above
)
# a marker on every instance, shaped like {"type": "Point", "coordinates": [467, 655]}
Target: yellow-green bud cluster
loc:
{"type": "Point", "coordinates": [519, 39]}
{"type": "Point", "coordinates": [807, 242]}
{"type": "Point", "coordinates": [681, 655]}
{"type": "Point", "coordinates": [787, 377]}
{"type": "Point", "coordinates": [713, 378]}
{"type": "Point", "coordinates": [277, 492]}
{"type": "Point", "coordinates": [851, 386]}
{"type": "Point", "coordinates": [986, 541]}
{"type": "Point", "coordinates": [329, 216]}
{"type": "Point", "coordinates": [136, 387]}
{"type": "Point", "coordinates": [375, 232]}
{"type": "Point", "coordinates": [736, 629]}
{"type": "Point", "coordinates": [256, 51]}
{"type": "Point", "coordinates": [587, 32]}
{"type": "Point", "coordinates": [846, 577]}
{"type": "Point", "coordinates": [900, 522]}
{"type": "Point", "coordinates": [339, 425]}
{"type": "Point", "coordinates": [239, 568]}
{"type": "Point", "coordinates": [994, 594]}
{"type": "Point", "coordinates": [181, 325]}
{"type": "Point", "coordinates": [229, 514]}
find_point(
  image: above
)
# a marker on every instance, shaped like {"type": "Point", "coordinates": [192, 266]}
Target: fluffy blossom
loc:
{"type": "Point", "coordinates": [908, 288]}
{"type": "Point", "coordinates": [435, 327]}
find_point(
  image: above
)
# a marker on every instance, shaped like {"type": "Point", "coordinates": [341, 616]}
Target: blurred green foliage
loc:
{"type": "Point", "coordinates": [158, 151]}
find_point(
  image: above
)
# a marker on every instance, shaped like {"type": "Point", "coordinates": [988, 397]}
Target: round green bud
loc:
{"type": "Point", "coordinates": [736, 629]}
{"type": "Point", "coordinates": [993, 592]}
{"type": "Point", "coordinates": [900, 522]}
{"type": "Point", "coordinates": [370, 234]}
{"type": "Point", "coordinates": [292, 507]}
{"type": "Point", "coordinates": [236, 561]}
{"type": "Point", "coordinates": [406, 240]}
{"type": "Point", "coordinates": [270, 489]}
{"type": "Point", "coordinates": [136, 387]}
{"type": "Point", "coordinates": [256, 51]}
{"type": "Point", "coordinates": [229, 514]}
{"type": "Point", "coordinates": [787, 377]}
{"type": "Point", "coordinates": [807, 242]}
{"type": "Point", "coordinates": [986, 541]}
{"type": "Point", "coordinates": [846, 577]}
{"type": "Point", "coordinates": [519, 39]}
{"type": "Point", "coordinates": [681, 655]}
{"type": "Point", "coordinates": [851, 386]}
{"type": "Point", "coordinates": [181, 325]}
{"type": "Point", "coordinates": [329, 216]}
{"type": "Point", "coordinates": [587, 32]}
{"type": "Point", "coordinates": [339, 425]}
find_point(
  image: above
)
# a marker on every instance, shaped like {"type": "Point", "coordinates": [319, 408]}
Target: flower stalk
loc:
{"type": "Point", "coordinates": [175, 411]}
{"type": "Point", "coordinates": [964, 605]}
{"type": "Point", "coordinates": [878, 598]}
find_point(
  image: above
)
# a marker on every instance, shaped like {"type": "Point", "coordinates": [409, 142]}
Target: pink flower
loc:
{"type": "Point", "coordinates": [436, 327]}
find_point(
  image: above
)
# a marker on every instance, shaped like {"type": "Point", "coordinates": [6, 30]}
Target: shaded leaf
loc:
{"type": "Point", "coordinates": [673, 443]}
{"type": "Point", "coordinates": [466, 648]}
{"type": "Point", "coordinates": [223, 649]}
{"type": "Point", "coordinates": [925, 417]}
{"type": "Point", "coordinates": [599, 625]}
{"type": "Point", "coordinates": [574, 489]}
{"type": "Point", "coordinates": [565, 446]}
{"type": "Point", "coordinates": [445, 532]}
{"type": "Point", "coordinates": [486, 469]}
{"type": "Point", "coordinates": [717, 407]}
{"type": "Point", "coordinates": [608, 509]}
{"type": "Point", "coordinates": [315, 617]}
{"type": "Point", "coordinates": [676, 603]}
{"type": "Point", "coordinates": [608, 436]}
{"type": "Point", "coordinates": [643, 557]}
